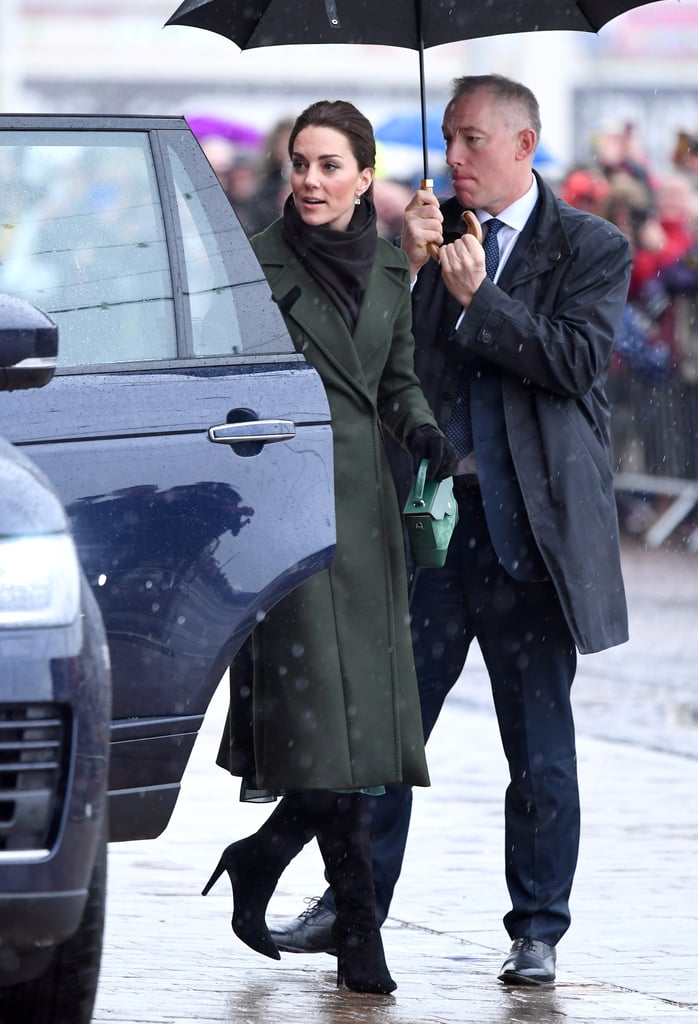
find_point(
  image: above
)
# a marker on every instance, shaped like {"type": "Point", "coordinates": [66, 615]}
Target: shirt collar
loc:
{"type": "Point", "coordinates": [515, 215]}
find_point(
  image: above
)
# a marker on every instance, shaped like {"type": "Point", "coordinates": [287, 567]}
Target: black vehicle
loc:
{"type": "Point", "coordinates": [55, 703]}
{"type": "Point", "coordinates": [189, 443]}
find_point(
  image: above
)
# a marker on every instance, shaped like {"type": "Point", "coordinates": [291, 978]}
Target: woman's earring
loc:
{"type": "Point", "coordinates": [357, 200]}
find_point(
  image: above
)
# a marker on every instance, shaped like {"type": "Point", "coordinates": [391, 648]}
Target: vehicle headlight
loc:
{"type": "Point", "coordinates": [39, 581]}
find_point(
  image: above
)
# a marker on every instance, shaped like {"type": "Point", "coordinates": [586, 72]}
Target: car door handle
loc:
{"type": "Point", "coordinates": [260, 431]}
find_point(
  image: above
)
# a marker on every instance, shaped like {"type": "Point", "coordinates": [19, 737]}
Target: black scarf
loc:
{"type": "Point", "coordinates": [340, 261]}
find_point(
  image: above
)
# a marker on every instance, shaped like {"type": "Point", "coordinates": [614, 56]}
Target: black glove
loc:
{"type": "Point", "coordinates": [427, 442]}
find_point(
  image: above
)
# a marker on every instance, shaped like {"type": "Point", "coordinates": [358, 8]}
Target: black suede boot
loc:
{"type": "Point", "coordinates": [255, 864]}
{"type": "Point", "coordinates": [342, 835]}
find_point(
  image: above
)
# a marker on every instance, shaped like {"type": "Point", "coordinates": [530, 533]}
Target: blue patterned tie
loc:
{"type": "Point", "coordinates": [459, 430]}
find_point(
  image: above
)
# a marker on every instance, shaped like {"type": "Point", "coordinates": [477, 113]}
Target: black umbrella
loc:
{"type": "Point", "coordinates": [413, 24]}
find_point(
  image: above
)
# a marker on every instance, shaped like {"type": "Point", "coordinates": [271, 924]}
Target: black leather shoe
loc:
{"type": "Point", "coordinates": [310, 932]}
{"type": "Point", "coordinates": [530, 962]}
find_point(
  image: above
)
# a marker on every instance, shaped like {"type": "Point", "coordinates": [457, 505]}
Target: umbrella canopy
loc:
{"type": "Point", "coordinates": [412, 24]}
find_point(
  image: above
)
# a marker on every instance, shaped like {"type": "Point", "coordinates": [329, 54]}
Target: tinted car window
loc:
{"type": "Point", "coordinates": [222, 302]}
{"type": "Point", "coordinates": [130, 275]}
{"type": "Point", "coordinates": [207, 286]}
{"type": "Point", "coordinates": [85, 221]}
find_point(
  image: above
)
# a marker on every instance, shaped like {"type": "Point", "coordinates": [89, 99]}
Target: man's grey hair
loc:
{"type": "Point", "coordinates": [504, 89]}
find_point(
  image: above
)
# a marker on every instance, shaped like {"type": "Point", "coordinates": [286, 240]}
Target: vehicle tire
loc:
{"type": "Point", "coordinates": [65, 992]}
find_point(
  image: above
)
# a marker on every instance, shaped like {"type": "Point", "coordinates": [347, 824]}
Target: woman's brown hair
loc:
{"type": "Point", "coordinates": [343, 117]}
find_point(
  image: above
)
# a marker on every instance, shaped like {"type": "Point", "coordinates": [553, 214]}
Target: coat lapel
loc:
{"type": "Point", "coordinates": [542, 244]}
{"type": "Point", "coordinates": [319, 320]}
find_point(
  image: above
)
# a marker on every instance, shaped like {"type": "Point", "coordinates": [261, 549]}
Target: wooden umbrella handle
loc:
{"type": "Point", "coordinates": [470, 221]}
{"type": "Point", "coordinates": [432, 248]}
{"type": "Point", "coordinates": [472, 224]}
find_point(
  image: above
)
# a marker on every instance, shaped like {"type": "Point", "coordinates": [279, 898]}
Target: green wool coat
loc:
{"type": "Point", "coordinates": [334, 691]}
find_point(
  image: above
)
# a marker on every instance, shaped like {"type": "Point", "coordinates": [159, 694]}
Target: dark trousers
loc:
{"type": "Point", "coordinates": [531, 661]}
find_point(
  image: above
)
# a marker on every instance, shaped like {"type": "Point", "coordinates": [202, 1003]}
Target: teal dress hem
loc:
{"type": "Point", "coordinates": [250, 793]}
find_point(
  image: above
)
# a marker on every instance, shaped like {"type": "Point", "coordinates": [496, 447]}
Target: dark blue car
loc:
{"type": "Point", "coordinates": [188, 441]}
{"type": "Point", "coordinates": [55, 704]}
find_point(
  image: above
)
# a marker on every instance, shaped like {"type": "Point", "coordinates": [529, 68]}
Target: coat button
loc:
{"type": "Point", "coordinates": [556, 255]}
{"type": "Point", "coordinates": [487, 337]}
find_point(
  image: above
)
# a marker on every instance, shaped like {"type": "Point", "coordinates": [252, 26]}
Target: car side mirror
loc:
{"type": "Point", "coordinates": [28, 345]}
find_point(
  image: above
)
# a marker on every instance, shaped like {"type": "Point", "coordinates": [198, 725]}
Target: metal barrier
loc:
{"type": "Point", "coordinates": [654, 429]}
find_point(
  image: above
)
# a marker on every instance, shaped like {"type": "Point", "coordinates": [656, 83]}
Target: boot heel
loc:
{"type": "Point", "coordinates": [214, 878]}
{"type": "Point", "coordinates": [340, 972]}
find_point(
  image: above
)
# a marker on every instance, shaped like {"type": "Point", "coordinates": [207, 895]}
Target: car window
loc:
{"type": "Point", "coordinates": [82, 237]}
{"type": "Point", "coordinates": [127, 240]}
{"type": "Point", "coordinates": [207, 285]}
{"type": "Point", "coordinates": [223, 302]}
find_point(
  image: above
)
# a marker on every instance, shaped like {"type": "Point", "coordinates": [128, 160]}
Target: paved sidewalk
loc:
{"type": "Point", "coordinates": [630, 956]}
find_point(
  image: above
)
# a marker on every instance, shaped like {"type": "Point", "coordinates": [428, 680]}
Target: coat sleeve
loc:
{"type": "Point", "coordinates": [566, 344]}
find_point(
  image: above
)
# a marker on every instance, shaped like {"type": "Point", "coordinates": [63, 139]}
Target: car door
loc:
{"type": "Point", "coordinates": [189, 442]}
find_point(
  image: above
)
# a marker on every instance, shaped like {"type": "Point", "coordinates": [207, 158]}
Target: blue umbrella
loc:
{"type": "Point", "coordinates": [406, 129]}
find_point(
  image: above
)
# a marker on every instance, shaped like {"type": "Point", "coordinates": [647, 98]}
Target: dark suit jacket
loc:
{"type": "Point", "coordinates": [540, 341]}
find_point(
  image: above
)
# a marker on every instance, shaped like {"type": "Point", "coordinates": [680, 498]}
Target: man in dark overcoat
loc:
{"type": "Point", "coordinates": [513, 343]}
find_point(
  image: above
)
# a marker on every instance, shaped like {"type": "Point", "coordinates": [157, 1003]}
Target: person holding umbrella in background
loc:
{"type": "Point", "coordinates": [513, 341]}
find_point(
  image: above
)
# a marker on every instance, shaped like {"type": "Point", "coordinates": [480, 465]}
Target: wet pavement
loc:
{"type": "Point", "coordinates": [631, 953]}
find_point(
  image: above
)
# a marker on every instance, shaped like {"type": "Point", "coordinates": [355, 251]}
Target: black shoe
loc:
{"type": "Point", "coordinates": [310, 932]}
{"type": "Point", "coordinates": [530, 962]}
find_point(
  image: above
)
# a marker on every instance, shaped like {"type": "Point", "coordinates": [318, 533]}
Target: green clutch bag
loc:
{"type": "Point", "coordinates": [430, 514]}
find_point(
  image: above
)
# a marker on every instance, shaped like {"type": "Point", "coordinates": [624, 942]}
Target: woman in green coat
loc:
{"type": "Point", "coordinates": [335, 708]}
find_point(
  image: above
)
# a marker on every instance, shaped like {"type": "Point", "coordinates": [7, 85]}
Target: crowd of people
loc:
{"type": "Point", "coordinates": [653, 376]}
